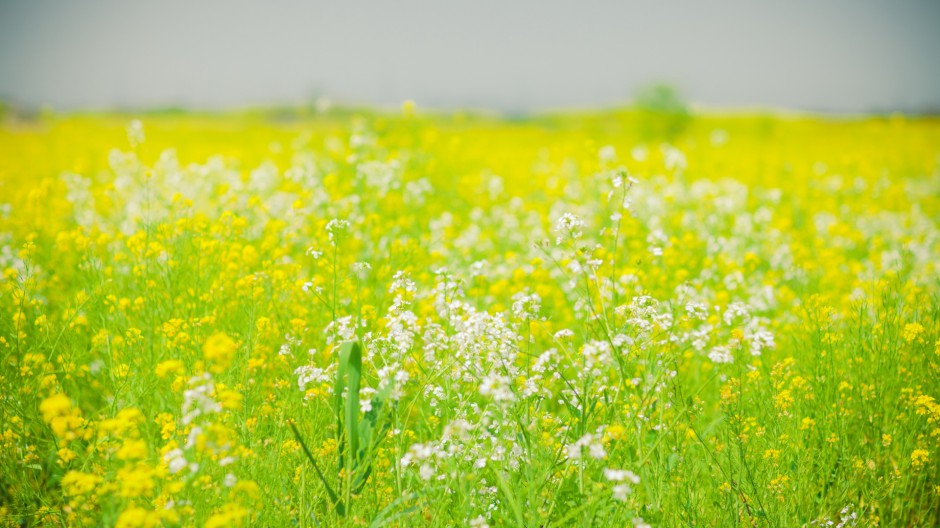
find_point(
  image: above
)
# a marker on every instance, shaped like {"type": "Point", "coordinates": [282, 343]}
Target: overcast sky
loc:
{"type": "Point", "coordinates": [835, 55]}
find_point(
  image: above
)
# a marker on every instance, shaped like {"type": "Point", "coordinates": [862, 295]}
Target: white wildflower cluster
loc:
{"type": "Point", "coordinates": [597, 354]}
{"type": "Point", "coordinates": [619, 178]}
{"type": "Point", "coordinates": [497, 387]}
{"type": "Point", "coordinates": [591, 444]}
{"type": "Point", "coordinates": [395, 376]}
{"type": "Point", "coordinates": [341, 330]}
{"type": "Point", "coordinates": [361, 269]}
{"type": "Point", "coordinates": [673, 158]}
{"type": "Point", "coordinates": [402, 285]}
{"type": "Point", "coordinates": [526, 306]}
{"type": "Point", "coordinates": [479, 522]}
{"type": "Point", "coordinates": [336, 229]}
{"type": "Point", "coordinates": [847, 517]}
{"type": "Point", "coordinates": [198, 407]}
{"type": "Point", "coordinates": [401, 324]}
{"type": "Point", "coordinates": [656, 240]}
{"type": "Point", "coordinates": [175, 460]}
{"type": "Point", "coordinates": [78, 193]}
{"type": "Point", "coordinates": [290, 343]}
{"type": "Point", "coordinates": [622, 479]}
{"type": "Point", "coordinates": [696, 310]}
{"type": "Point", "coordinates": [467, 444]}
{"type": "Point", "coordinates": [307, 375]}
{"type": "Point", "coordinates": [759, 340]}
{"type": "Point", "coordinates": [381, 177]}
{"type": "Point", "coordinates": [198, 399]}
{"type": "Point", "coordinates": [736, 312]}
{"type": "Point", "coordinates": [416, 191]}
{"type": "Point", "coordinates": [135, 133]}
{"type": "Point", "coordinates": [421, 455]}
{"type": "Point", "coordinates": [721, 354]}
{"type": "Point", "coordinates": [448, 289]}
{"type": "Point", "coordinates": [541, 373]}
{"type": "Point", "coordinates": [568, 227]}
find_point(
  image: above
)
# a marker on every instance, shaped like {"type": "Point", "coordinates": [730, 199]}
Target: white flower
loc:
{"type": "Point", "coordinates": [639, 153]}
{"type": "Point", "coordinates": [621, 491]}
{"type": "Point", "coordinates": [697, 310]}
{"type": "Point", "coordinates": [175, 460]}
{"type": "Point", "coordinates": [426, 472]}
{"type": "Point", "coordinates": [401, 282]}
{"type": "Point", "coordinates": [720, 355]}
{"type": "Point", "coordinates": [197, 400]}
{"type": "Point", "coordinates": [479, 522]}
{"type": "Point", "coordinates": [135, 133]}
{"type": "Point", "coordinates": [569, 226]}
{"type": "Point", "coordinates": [335, 228]}
{"type": "Point", "coordinates": [497, 386]}
{"type": "Point", "coordinates": [760, 341]}
{"type": "Point", "coordinates": [361, 269]}
{"type": "Point", "coordinates": [591, 442]}
{"type": "Point", "coordinates": [620, 475]}
{"type": "Point", "coordinates": [736, 311]}
{"type": "Point", "coordinates": [526, 306]}
{"type": "Point", "coordinates": [596, 353]}
{"type": "Point", "coordinates": [674, 159]}
{"type": "Point", "coordinates": [307, 375]}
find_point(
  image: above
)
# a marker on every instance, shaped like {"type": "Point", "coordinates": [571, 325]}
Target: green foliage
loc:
{"type": "Point", "coordinates": [358, 439]}
{"type": "Point", "coordinates": [663, 114]}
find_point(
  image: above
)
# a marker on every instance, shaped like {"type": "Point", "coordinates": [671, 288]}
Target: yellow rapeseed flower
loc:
{"type": "Point", "coordinates": [219, 351]}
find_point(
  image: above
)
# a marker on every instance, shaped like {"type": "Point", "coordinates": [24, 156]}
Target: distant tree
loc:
{"type": "Point", "coordinates": [663, 114]}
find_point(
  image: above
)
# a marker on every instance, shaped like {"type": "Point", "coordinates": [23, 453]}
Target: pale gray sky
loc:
{"type": "Point", "coordinates": [836, 55]}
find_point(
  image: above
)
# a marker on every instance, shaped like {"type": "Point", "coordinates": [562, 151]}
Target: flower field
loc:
{"type": "Point", "coordinates": [407, 319]}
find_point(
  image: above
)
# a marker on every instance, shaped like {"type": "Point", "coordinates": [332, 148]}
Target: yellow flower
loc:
{"type": "Point", "coordinates": [230, 399]}
{"type": "Point", "coordinates": [167, 425]}
{"type": "Point", "coordinates": [56, 405]}
{"type": "Point", "coordinates": [132, 450]}
{"type": "Point", "coordinates": [247, 487]}
{"type": "Point", "coordinates": [616, 431]}
{"type": "Point", "coordinates": [65, 421]}
{"type": "Point", "coordinates": [78, 483]}
{"type": "Point", "coordinates": [219, 350]}
{"type": "Point", "coordinates": [135, 481]}
{"type": "Point", "coordinates": [137, 517]}
{"type": "Point", "coordinates": [170, 366]}
{"type": "Point", "coordinates": [230, 515]}
{"type": "Point", "coordinates": [912, 332]}
{"type": "Point", "coordinates": [66, 455]}
{"type": "Point", "coordinates": [919, 457]}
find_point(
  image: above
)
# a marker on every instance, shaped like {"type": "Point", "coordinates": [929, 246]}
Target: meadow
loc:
{"type": "Point", "coordinates": [365, 318]}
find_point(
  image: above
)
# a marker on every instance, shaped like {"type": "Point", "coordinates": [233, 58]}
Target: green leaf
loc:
{"type": "Point", "coordinates": [351, 356]}
{"type": "Point", "coordinates": [340, 508]}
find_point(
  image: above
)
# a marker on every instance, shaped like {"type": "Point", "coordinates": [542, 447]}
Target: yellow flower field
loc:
{"type": "Point", "coordinates": [409, 319]}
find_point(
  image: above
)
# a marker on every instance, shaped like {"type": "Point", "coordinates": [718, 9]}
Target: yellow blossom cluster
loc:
{"type": "Point", "coordinates": [562, 319]}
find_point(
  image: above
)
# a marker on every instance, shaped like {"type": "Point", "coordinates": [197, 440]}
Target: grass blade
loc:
{"type": "Point", "coordinates": [340, 508]}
